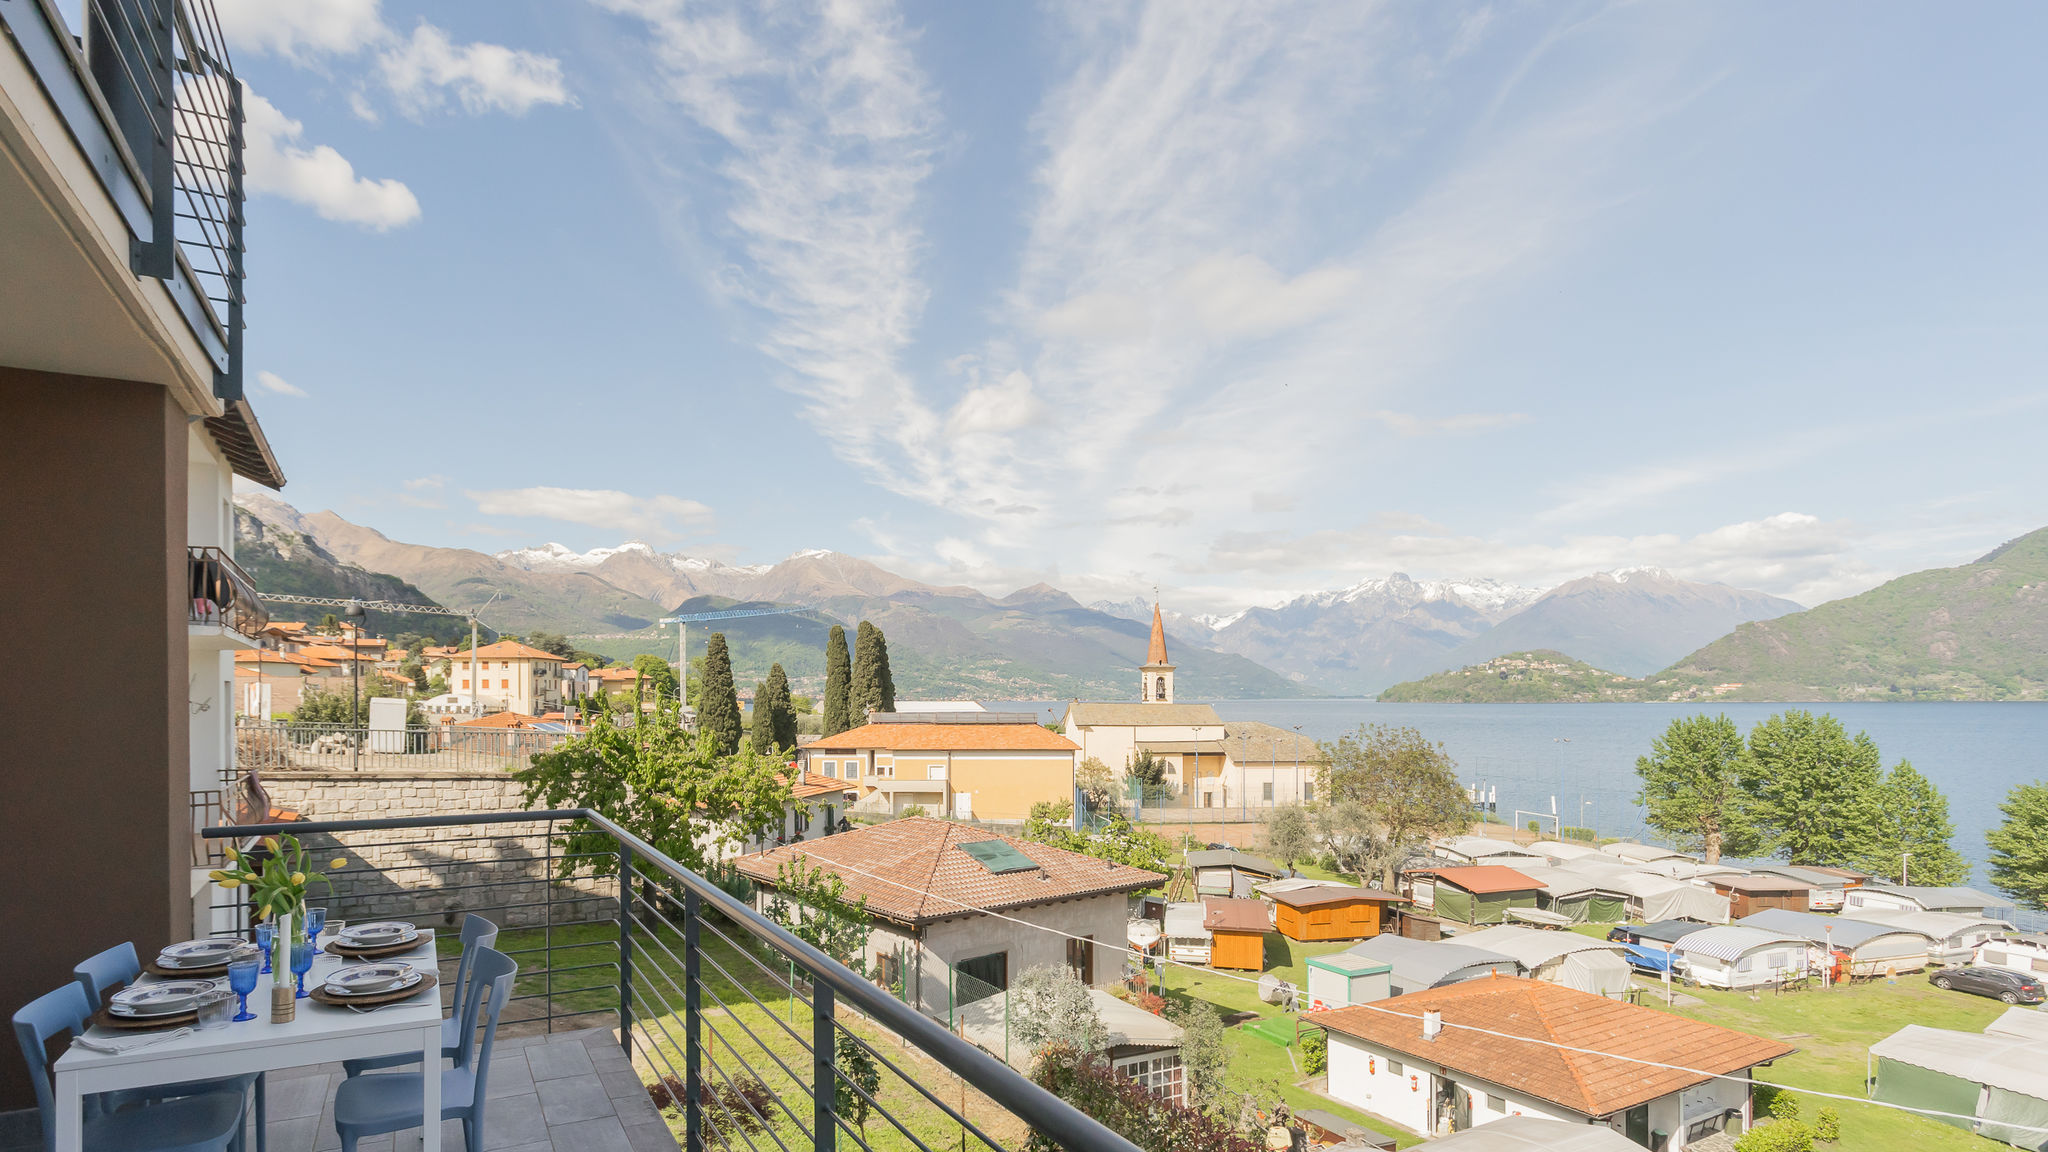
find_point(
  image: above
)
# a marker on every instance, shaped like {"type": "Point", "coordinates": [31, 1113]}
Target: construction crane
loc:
{"type": "Point", "coordinates": [683, 621]}
{"type": "Point", "coordinates": [359, 606]}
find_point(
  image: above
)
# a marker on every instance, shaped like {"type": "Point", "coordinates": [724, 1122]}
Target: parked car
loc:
{"type": "Point", "coordinates": [1999, 983]}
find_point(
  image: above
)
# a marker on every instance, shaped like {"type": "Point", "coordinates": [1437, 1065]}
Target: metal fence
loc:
{"type": "Point", "coordinates": [746, 1035]}
{"type": "Point", "coordinates": [288, 745]}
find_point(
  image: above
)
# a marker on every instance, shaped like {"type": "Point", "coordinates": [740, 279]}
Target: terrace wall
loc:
{"type": "Point", "coordinates": [503, 871]}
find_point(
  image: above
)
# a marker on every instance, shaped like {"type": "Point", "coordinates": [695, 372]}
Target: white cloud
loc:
{"type": "Point", "coordinates": [302, 29]}
{"type": "Point", "coordinates": [424, 492]}
{"type": "Point", "coordinates": [483, 77]}
{"type": "Point", "coordinates": [278, 385]}
{"type": "Point", "coordinates": [653, 518]}
{"type": "Point", "coordinates": [318, 177]}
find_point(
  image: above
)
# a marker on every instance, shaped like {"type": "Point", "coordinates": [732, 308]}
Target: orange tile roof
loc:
{"type": "Point", "coordinates": [1483, 878]}
{"type": "Point", "coordinates": [513, 650]}
{"type": "Point", "coordinates": [811, 785]}
{"type": "Point", "coordinates": [913, 872]}
{"type": "Point", "coordinates": [946, 738]}
{"type": "Point", "coordinates": [499, 720]}
{"type": "Point", "coordinates": [1592, 1085]}
{"type": "Point", "coordinates": [1156, 654]}
{"type": "Point", "coordinates": [613, 674]}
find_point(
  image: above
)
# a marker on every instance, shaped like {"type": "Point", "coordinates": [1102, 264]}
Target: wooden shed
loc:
{"type": "Point", "coordinates": [1331, 913]}
{"type": "Point", "coordinates": [1751, 894]}
{"type": "Point", "coordinates": [1237, 932]}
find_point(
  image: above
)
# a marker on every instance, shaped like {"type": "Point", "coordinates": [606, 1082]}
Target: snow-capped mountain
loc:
{"type": "Point", "coordinates": [1482, 594]}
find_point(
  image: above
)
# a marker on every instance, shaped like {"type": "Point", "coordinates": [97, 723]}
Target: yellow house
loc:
{"type": "Point", "coordinates": [984, 766]}
{"type": "Point", "coordinates": [517, 676]}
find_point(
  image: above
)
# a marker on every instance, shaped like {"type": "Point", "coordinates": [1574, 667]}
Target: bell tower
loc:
{"type": "Point", "coordinates": [1155, 679]}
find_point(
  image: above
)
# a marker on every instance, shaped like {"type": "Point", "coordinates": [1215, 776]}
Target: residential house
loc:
{"type": "Point", "coordinates": [1870, 949]}
{"type": "Point", "coordinates": [939, 706]}
{"type": "Point", "coordinates": [1265, 766]}
{"type": "Point", "coordinates": [1568, 958]}
{"type": "Point", "coordinates": [1418, 965]}
{"type": "Point", "coordinates": [1953, 938]}
{"type": "Point", "coordinates": [121, 389]}
{"type": "Point", "coordinates": [1747, 894]}
{"type": "Point", "coordinates": [575, 680]}
{"type": "Point", "coordinates": [1229, 872]}
{"type": "Point", "coordinates": [1460, 1057]}
{"type": "Point", "coordinates": [1332, 912]}
{"type": "Point", "coordinates": [1342, 979]}
{"type": "Point", "coordinates": [1189, 737]}
{"type": "Point", "coordinates": [520, 677]}
{"type": "Point", "coordinates": [817, 808]}
{"type": "Point", "coordinates": [983, 766]}
{"type": "Point", "coordinates": [621, 682]}
{"type": "Point", "coordinates": [1139, 1045]}
{"type": "Point", "coordinates": [1830, 885]}
{"type": "Point", "coordinates": [1904, 898]}
{"type": "Point", "coordinates": [270, 681]}
{"type": "Point", "coordinates": [1738, 956]}
{"type": "Point", "coordinates": [1237, 932]}
{"type": "Point", "coordinates": [928, 881]}
{"type": "Point", "coordinates": [1475, 894]}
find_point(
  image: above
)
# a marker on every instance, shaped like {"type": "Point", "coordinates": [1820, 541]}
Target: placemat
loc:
{"type": "Point", "coordinates": [211, 970]}
{"type": "Point", "coordinates": [337, 948]}
{"type": "Point", "coordinates": [106, 1019]}
{"type": "Point", "coordinates": [426, 984]}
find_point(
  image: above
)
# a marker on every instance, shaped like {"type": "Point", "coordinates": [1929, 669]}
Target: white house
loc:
{"type": "Point", "coordinates": [1140, 1046]}
{"type": "Point", "coordinates": [1448, 1060]}
{"type": "Point", "coordinates": [1735, 956]}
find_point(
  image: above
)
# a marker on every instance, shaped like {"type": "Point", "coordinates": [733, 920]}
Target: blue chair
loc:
{"type": "Point", "coordinates": [390, 1101]}
{"type": "Point", "coordinates": [210, 1122]}
{"type": "Point", "coordinates": [458, 1030]}
{"type": "Point", "coordinates": [103, 975]}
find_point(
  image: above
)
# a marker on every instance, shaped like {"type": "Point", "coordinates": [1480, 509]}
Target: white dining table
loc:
{"type": "Point", "coordinates": [316, 1034]}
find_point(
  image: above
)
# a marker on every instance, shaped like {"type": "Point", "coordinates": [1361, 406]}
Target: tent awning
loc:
{"type": "Point", "coordinates": [2008, 1062]}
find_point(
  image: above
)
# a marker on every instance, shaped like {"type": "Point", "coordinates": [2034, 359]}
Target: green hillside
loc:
{"type": "Point", "coordinates": [1542, 676]}
{"type": "Point", "coordinates": [280, 560]}
{"type": "Point", "coordinates": [1974, 632]}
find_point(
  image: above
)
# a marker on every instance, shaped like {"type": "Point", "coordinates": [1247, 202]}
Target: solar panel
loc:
{"type": "Point", "coordinates": [998, 856]}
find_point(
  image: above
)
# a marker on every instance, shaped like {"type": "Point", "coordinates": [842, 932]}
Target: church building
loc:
{"type": "Point", "coordinates": [1189, 737]}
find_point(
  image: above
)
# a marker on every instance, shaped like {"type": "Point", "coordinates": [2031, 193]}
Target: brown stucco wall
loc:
{"type": "Point", "coordinates": [93, 784]}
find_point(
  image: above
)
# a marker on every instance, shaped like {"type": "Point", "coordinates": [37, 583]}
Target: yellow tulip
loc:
{"type": "Point", "coordinates": [216, 876]}
{"type": "Point", "coordinates": [339, 861]}
{"type": "Point", "coordinates": [231, 883]}
{"type": "Point", "coordinates": [270, 842]}
{"type": "Point", "coordinates": [232, 854]}
{"type": "Point", "coordinates": [298, 879]}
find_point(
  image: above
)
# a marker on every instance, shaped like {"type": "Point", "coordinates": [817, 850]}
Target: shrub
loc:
{"type": "Point", "coordinates": [915, 810]}
{"type": "Point", "coordinates": [1827, 1125]}
{"type": "Point", "coordinates": [1151, 1002]}
{"type": "Point", "coordinates": [1776, 1136]}
{"type": "Point", "coordinates": [1586, 835]}
{"type": "Point", "coordinates": [1315, 1052]}
{"type": "Point", "coordinates": [1087, 1081]}
{"type": "Point", "coordinates": [738, 1105]}
{"type": "Point", "coordinates": [1536, 827]}
{"type": "Point", "coordinates": [1784, 1106]}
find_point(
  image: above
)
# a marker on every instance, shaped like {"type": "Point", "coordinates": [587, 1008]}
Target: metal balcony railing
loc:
{"type": "Point", "coordinates": [221, 593]}
{"type": "Point", "coordinates": [146, 89]}
{"type": "Point", "coordinates": [745, 1035]}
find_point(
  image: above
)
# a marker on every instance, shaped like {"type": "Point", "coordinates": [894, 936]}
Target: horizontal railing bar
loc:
{"type": "Point", "coordinates": [474, 819]}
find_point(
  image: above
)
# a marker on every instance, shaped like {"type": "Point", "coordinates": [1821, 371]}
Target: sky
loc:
{"type": "Point", "coordinates": [1232, 300]}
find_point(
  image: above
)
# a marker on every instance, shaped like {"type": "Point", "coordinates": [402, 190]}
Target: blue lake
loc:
{"type": "Point", "coordinates": [1583, 755]}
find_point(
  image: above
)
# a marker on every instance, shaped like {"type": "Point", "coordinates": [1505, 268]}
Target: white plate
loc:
{"type": "Point", "coordinates": [365, 978]}
{"type": "Point", "coordinates": [378, 934]}
{"type": "Point", "coordinates": [339, 985]}
{"type": "Point", "coordinates": [198, 953]}
{"type": "Point", "coordinates": [164, 998]}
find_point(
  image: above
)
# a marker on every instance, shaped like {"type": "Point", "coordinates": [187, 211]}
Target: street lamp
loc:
{"type": "Point", "coordinates": [355, 675]}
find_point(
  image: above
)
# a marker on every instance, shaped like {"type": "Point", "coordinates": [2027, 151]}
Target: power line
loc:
{"type": "Point", "coordinates": [1164, 960]}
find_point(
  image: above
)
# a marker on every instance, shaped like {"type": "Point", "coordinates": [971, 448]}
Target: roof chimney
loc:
{"type": "Point", "coordinates": [1432, 1023]}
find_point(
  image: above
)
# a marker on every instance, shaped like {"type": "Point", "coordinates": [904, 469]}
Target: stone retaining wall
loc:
{"type": "Point", "coordinates": [434, 876]}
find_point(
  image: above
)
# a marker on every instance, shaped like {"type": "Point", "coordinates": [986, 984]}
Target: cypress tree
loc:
{"type": "Point", "coordinates": [780, 718]}
{"type": "Point", "coordinates": [885, 681]}
{"type": "Point", "coordinates": [838, 674]}
{"type": "Point", "coordinates": [718, 706]}
{"type": "Point", "coordinates": [866, 695]}
{"type": "Point", "coordinates": [760, 733]}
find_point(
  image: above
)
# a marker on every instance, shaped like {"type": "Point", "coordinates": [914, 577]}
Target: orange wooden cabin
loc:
{"type": "Point", "coordinates": [1237, 933]}
{"type": "Point", "coordinates": [1332, 913]}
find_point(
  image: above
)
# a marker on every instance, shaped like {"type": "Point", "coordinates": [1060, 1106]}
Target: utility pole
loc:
{"type": "Point", "coordinates": [476, 700]}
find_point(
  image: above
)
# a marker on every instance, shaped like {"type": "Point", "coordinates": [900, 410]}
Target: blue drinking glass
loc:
{"type": "Point", "coordinates": [316, 919]}
{"type": "Point", "coordinates": [302, 963]}
{"type": "Point", "coordinates": [242, 978]}
{"type": "Point", "coordinates": [265, 932]}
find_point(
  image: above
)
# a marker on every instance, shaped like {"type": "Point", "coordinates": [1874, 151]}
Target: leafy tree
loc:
{"type": "Point", "coordinates": [1116, 840]}
{"type": "Point", "coordinates": [1816, 789]}
{"type": "Point", "coordinates": [1204, 1054]}
{"type": "Point", "coordinates": [339, 707]}
{"type": "Point", "coordinates": [802, 705]}
{"type": "Point", "coordinates": [1050, 1005]}
{"type": "Point", "coordinates": [1388, 789]}
{"type": "Point", "coordinates": [1088, 1082]}
{"type": "Point", "coordinates": [1693, 787]}
{"type": "Point", "coordinates": [1911, 832]}
{"type": "Point", "coordinates": [857, 1067]}
{"type": "Point", "coordinates": [1096, 785]}
{"type": "Point", "coordinates": [812, 903]}
{"type": "Point", "coordinates": [1289, 834]}
{"type": "Point", "coordinates": [1148, 774]}
{"type": "Point", "coordinates": [655, 671]}
{"type": "Point", "coordinates": [718, 704]}
{"type": "Point", "coordinates": [1048, 820]}
{"type": "Point", "coordinates": [774, 721]}
{"type": "Point", "coordinates": [437, 685]}
{"type": "Point", "coordinates": [838, 672]}
{"type": "Point", "coordinates": [2019, 847]}
{"type": "Point", "coordinates": [660, 784]}
{"type": "Point", "coordinates": [416, 672]}
{"type": "Point", "coordinates": [554, 643]}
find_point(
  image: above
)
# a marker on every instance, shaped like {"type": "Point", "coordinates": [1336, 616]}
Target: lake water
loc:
{"type": "Point", "coordinates": [1583, 756]}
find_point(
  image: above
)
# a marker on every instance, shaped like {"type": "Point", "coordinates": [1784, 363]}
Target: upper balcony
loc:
{"type": "Point", "coordinates": [123, 202]}
{"type": "Point", "coordinates": [226, 612]}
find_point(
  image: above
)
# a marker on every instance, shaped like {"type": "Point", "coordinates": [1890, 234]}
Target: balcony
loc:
{"type": "Point", "coordinates": [124, 201]}
{"type": "Point", "coordinates": [655, 1009]}
{"type": "Point", "coordinates": [225, 612]}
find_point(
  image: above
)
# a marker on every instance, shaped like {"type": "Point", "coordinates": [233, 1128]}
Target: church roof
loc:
{"type": "Point", "coordinates": [1120, 715]}
{"type": "Point", "coordinates": [1155, 656]}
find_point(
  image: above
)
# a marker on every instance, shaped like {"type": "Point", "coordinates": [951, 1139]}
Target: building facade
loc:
{"type": "Point", "coordinates": [989, 766]}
